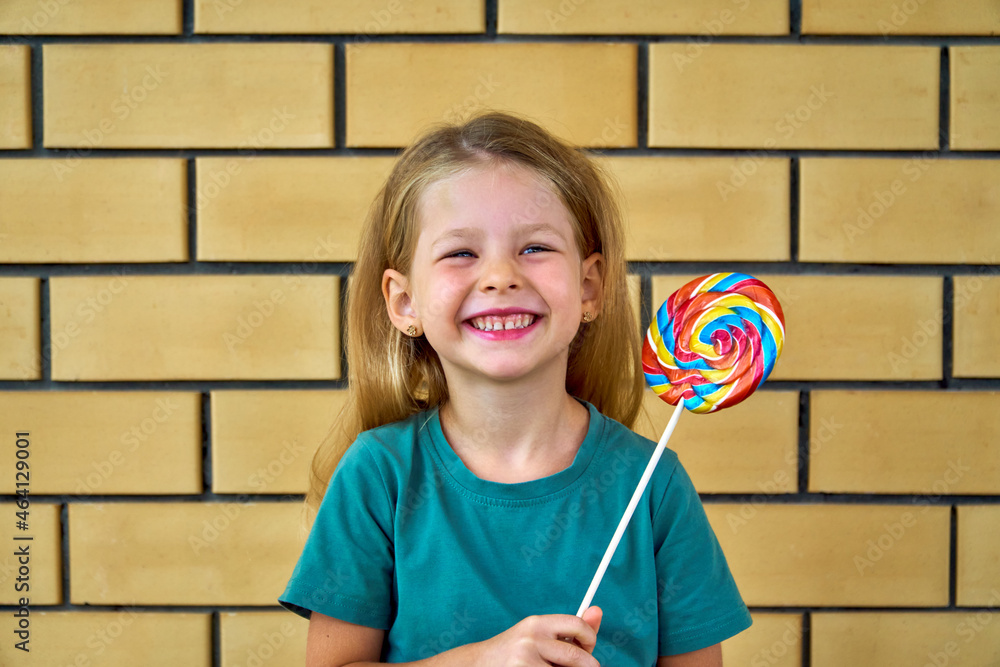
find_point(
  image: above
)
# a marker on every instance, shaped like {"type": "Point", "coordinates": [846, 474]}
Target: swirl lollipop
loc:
{"type": "Point", "coordinates": [709, 346]}
{"type": "Point", "coordinates": [713, 342]}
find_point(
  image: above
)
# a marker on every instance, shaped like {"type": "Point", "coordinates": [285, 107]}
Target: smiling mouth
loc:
{"type": "Point", "coordinates": [497, 323]}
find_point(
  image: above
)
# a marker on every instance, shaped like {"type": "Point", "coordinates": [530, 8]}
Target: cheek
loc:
{"type": "Point", "coordinates": [438, 294]}
{"type": "Point", "coordinates": [563, 284]}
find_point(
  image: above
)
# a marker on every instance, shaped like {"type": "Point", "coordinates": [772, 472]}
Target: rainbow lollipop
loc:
{"type": "Point", "coordinates": [713, 342]}
{"type": "Point", "coordinates": [709, 346]}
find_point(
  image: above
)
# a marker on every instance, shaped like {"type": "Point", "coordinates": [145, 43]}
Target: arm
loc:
{"type": "Point", "coordinates": [710, 656]}
{"type": "Point", "coordinates": [335, 643]}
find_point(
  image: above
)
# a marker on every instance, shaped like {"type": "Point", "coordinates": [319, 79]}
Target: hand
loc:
{"type": "Point", "coordinates": [554, 639]}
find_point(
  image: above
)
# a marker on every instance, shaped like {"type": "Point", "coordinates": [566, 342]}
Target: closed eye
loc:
{"type": "Point", "coordinates": [531, 249]}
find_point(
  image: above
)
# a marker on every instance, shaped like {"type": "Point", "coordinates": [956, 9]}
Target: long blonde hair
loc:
{"type": "Point", "coordinates": [392, 376]}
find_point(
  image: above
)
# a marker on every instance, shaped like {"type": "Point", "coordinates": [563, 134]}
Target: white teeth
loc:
{"type": "Point", "coordinates": [494, 323]}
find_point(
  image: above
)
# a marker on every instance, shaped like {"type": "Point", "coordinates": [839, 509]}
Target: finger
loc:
{"type": "Point", "coordinates": [565, 654]}
{"type": "Point", "coordinates": [592, 617]}
{"type": "Point", "coordinates": [574, 630]}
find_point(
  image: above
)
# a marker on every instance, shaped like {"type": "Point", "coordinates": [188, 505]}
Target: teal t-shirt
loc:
{"type": "Point", "coordinates": [408, 540]}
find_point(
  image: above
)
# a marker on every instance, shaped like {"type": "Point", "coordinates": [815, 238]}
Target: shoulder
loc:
{"type": "Point", "coordinates": [388, 446]}
{"type": "Point", "coordinates": [380, 460]}
{"type": "Point", "coordinates": [623, 459]}
{"type": "Point", "coordinates": [379, 464]}
{"type": "Point", "coordinates": [626, 446]}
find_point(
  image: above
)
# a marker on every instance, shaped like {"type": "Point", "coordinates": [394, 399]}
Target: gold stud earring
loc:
{"type": "Point", "coordinates": [587, 316]}
{"type": "Point", "coordinates": [411, 331]}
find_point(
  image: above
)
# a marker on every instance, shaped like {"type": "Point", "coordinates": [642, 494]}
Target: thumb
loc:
{"type": "Point", "coordinates": [592, 617]}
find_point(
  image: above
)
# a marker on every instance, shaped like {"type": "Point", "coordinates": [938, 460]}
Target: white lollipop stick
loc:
{"type": "Point", "coordinates": [623, 524]}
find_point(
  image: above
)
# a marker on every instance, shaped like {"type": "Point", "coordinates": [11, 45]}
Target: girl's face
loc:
{"type": "Point", "coordinates": [497, 283]}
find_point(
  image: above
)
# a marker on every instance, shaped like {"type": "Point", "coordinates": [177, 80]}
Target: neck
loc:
{"type": "Point", "coordinates": [512, 432]}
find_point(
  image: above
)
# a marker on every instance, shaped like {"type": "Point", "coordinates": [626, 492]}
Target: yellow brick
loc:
{"type": "Point", "coordinates": [793, 96]}
{"type": "Point", "coordinates": [689, 209]}
{"type": "Point", "coordinates": [269, 637]}
{"type": "Point", "coordinates": [15, 96]}
{"type": "Point", "coordinates": [20, 345]}
{"type": "Point", "coordinates": [195, 327]}
{"type": "Point", "coordinates": [883, 315]}
{"type": "Point", "coordinates": [977, 323]}
{"type": "Point", "coordinates": [98, 210]}
{"type": "Point", "coordinates": [921, 210]}
{"type": "Point", "coordinates": [251, 96]}
{"type": "Point", "coordinates": [91, 443]}
{"type": "Point", "coordinates": [45, 554]}
{"type": "Point", "coordinates": [978, 581]}
{"type": "Point", "coordinates": [197, 554]}
{"type": "Point", "coordinates": [120, 638]}
{"type": "Point", "coordinates": [932, 443]}
{"type": "Point", "coordinates": [902, 639]}
{"type": "Point", "coordinates": [774, 640]}
{"type": "Point", "coordinates": [319, 205]}
{"type": "Point", "coordinates": [583, 92]}
{"type": "Point", "coordinates": [263, 441]}
{"type": "Point", "coordinates": [835, 555]}
{"type": "Point", "coordinates": [751, 448]}
{"type": "Point", "coordinates": [366, 18]}
{"type": "Point", "coordinates": [673, 17]}
{"type": "Point", "coordinates": [890, 17]}
{"type": "Point", "coordinates": [94, 17]}
{"type": "Point", "coordinates": [975, 97]}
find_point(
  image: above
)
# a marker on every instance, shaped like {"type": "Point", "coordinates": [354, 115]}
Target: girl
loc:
{"type": "Point", "coordinates": [493, 368]}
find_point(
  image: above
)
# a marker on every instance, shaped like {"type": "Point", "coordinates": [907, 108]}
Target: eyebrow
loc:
{"type": "Point", "coordinates": [466, 233]}
{"type": "Point", "coordinates": [540, 227]}
{"type": "Point", "coordinates": [460, 234]}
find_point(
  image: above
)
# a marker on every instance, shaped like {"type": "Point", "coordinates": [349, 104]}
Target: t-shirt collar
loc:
{"type": "Point", "coordinates": [535, 490]}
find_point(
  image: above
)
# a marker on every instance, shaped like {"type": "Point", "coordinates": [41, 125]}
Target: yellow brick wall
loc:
{"type": "Point", "coordinates": [181, 188]}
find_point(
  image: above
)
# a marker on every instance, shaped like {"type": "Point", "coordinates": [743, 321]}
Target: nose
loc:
{"type": "Point", "coordinates": [499, 274]}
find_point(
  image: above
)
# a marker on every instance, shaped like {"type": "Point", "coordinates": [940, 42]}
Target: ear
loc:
{"type": "Point", "coordinates": [592, 286]}
{"type": "Point", "coordinates": [398, 301]}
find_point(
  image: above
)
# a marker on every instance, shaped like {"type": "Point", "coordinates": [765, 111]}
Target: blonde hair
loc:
{"type": "Point", "coordinates": [392, 376]}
